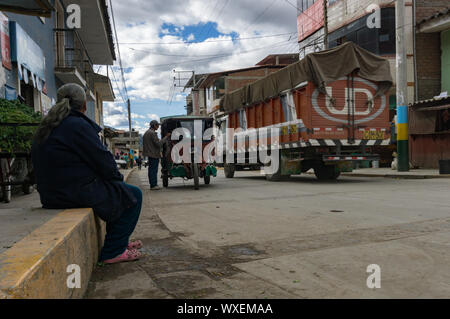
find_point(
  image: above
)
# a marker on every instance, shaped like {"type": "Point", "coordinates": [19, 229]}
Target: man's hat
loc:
{"type": "Point", "coordinates": [154, 122]}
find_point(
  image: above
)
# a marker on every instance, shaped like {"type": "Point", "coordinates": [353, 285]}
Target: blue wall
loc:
{"type": "Point", "coordinates": [42, 34]}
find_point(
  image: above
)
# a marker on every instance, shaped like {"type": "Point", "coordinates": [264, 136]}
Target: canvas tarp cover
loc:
{"type": "Point", "coordinates": [321, 68]}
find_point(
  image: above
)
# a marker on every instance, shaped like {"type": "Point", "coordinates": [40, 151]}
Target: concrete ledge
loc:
{"type": "Point", "coordinates": [36, 266]}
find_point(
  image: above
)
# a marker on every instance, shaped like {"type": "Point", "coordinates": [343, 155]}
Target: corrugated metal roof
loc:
{"type": "Point", "coordinates": [436, 15]}
{"type": "Point", "coordinates": [434, 102]}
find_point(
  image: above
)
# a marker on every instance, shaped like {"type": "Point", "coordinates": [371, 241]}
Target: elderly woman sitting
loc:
{"type": "Point", "coordinates": [74, 169]}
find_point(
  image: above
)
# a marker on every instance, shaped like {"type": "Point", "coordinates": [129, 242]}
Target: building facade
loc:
{"type": "Point", "coordinates": [371, 25]}
{"type": "Point", "coordinates": [41, 53]}
{"type": "Point", "coordinates": [209, 88]}
{"type": "Point", "coordinates": [430, 116]}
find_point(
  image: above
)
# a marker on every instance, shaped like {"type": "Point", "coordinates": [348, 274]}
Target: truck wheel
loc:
{"type": "Point", "coordinates": [327, 172]}
{"type": "Point", "coordinates": [207, 179]}
{"type": "Point", "coordinates": [196, 176]}
{"type": "Point", "coordinates": [165, 179]}
{"type": "Point", "coordinates": [229, 170]}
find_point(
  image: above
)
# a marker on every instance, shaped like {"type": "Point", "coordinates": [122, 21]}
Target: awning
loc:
{"type": "Point", "coordinates": [28, 55]}
{"type": "Point", "coordinates": [104, 87]}
{"type": "Point", "coordinates": [41, 8]}
{"type": "Point", "coordinates": [434, 108]}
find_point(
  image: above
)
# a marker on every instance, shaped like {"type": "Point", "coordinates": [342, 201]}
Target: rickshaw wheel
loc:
{"type": "Point", "coordinates": [196, 176]}
{"type": "Point", "coordinates": [165, 179]}
{"type": "Point", "coordinates": [27, 189]}
{"type": "Point", "coordinates": [6, 195]}
{"type": "Point", "coordinates": [207, 179]}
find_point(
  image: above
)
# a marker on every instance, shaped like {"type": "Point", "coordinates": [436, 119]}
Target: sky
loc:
{"type": "Point", "coordinates": [159, 36]}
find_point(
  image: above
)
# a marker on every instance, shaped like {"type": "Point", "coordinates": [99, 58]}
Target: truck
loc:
{"type": "Point", "coordinates": [330, 110]}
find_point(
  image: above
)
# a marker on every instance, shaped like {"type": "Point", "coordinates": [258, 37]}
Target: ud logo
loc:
{"type": "Point", "coordinates": [342, 101]}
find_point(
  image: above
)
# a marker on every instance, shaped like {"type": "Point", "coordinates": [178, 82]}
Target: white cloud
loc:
{"type": "Point", "coordinates": [141, 22]}
{"type": "Point", "coordinates": [151, 73]}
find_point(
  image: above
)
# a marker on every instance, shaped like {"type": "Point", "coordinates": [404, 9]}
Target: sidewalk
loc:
{"type": "Point", "coordinates": [37, 244]}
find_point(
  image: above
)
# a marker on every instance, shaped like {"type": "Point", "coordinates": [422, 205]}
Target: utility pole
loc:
{"type": "Point", "coordinates": [325, 24]}
{"type": "Point", "coordinates": [401, 82]}
{"type": "Point", "coordinates": [129, 125]}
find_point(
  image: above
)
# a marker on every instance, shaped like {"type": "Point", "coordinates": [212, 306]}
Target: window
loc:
{"type": "Point", "coordinates": [303, 5]}
{"type": "Point", "coordinates": [243, 119]}
{"type": "Point", "coordinates": [288, 105]}
{"type": "Point", "coordinates": [379, 41]}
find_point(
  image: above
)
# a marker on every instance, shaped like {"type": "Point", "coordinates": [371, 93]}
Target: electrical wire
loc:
{"type": "Point", "coordinates": [118, 49]}
{"type": "Point", "coordinates": [117, 86]}
{"type": "Point", "coordinates": [260, 15]}
{"type": "Point", "coordinates": [206, 27]}
{"type": "Point", "coordinates": [218, 16]}
{"type": "Point", "coordinates": [210, 58]}
{"type": "Point", "coordinates": [208, 41]}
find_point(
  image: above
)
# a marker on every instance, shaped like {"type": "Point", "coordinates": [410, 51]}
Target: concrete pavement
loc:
{"type": "Point", "coordinates": [250, 238]}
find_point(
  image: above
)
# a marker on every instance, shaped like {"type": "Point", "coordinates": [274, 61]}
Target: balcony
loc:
{"type": "Point", "coordinates": [72, 64]}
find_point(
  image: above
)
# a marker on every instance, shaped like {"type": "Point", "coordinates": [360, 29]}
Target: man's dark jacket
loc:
{"type": "Point", "coordinates": [74, 169]}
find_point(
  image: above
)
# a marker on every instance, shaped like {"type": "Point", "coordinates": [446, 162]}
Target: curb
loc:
{"type": "Point", "coordinates": [37, 266]}
{"type": "Point", "coordinates": [398, 176]}
{"type": "Point", "coordinates": [405, 176]}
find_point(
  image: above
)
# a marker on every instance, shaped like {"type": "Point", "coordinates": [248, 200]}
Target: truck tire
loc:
{"type": "Point", "coordinates": [229, 170]}
{"type": "Point", "coordinates": [326, 172]}
{"type": "Point", "coordinates": [196, 176]}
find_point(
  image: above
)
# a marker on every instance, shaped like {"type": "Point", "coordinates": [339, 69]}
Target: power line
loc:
{"type": "Point", "coordinates": [117, 86]}
{"type": "Point", "coordinates": [218, 16]}
{"type": "Point", "coordinates": [209, 41]}
{"type": "Point", "coordinates": [118, 48]}
{"type": "Point", "coordinates": [213, 57]}
{"type": "Point", "coordinates": [174, 55]}
{"type": "Point", "coordinates": [260, 15]}
{"type": "Point", "coordinates": [209, 16]}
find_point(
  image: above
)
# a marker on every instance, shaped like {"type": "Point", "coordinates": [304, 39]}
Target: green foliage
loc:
{"type": "Point", "coordinates": [16, 112]}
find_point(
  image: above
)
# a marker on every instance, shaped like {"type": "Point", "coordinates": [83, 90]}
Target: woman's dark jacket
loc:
{"type": "Point", "coordinates": [74, 169]}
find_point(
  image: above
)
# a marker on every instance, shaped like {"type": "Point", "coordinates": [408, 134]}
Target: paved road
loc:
{"type": "Point", "coordinates": [301, 238]}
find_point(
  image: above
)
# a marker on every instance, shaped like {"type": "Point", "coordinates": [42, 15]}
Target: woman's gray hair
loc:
{"type": "Point", "coordinates": [70, 97]}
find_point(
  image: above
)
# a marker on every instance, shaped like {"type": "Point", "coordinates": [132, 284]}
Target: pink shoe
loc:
{"type": "Point", "coordinates": [135, 244]}
{"type": "Point", "coordinates": [128, 255]}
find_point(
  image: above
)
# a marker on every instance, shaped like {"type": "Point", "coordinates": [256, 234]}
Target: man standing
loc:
{"type": "Point", "coordinates": [152, 149]}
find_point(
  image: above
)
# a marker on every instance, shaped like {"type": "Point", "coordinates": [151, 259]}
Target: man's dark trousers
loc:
{"type": "Point", "coordinates": [153, 164]}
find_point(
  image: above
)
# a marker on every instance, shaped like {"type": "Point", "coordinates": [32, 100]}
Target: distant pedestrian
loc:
{"type": "Point", "coordinates": [74, 169]}
{"type": "Point", "coordinates": [139, 162]}
{"type": "Point", "coordinates": [152, 149]}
